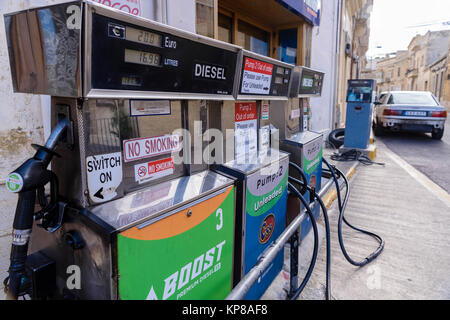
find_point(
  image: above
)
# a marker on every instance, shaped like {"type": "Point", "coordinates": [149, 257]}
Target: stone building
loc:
{"type": "Point", "coordinates": [390, 72]}
{"type": "Point", "coordinates": [440, 79]}
{"type": "Point", "coordinates": [424, 51]}
{"type": "Point", "coordinates": [423, 67]}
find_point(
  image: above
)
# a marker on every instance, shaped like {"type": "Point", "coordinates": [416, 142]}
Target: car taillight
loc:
{"type": "Point", "coordinates": [439, 114]}
{"type": "Point", "coordinates": [389, 112]}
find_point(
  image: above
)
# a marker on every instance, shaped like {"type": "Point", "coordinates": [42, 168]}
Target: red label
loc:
{"type": "Point", "coordinates": [257, 66]}
{"type": "Point", "coordinates": [154, 170]}
{"type": "Point", "coordinates": [246, 111]}
{"type": "Point", "coordinates": [129, 6]}
{"type": "Point", "coordinates": [160, 165]}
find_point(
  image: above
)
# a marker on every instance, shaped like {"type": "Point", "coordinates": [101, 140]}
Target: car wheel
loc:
{"type": "Point", "coordinates": [378, 130]}
{"type": "Point", "coordinates": [437, 134]}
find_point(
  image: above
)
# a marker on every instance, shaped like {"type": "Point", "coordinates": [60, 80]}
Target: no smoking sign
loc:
{"type": "Point", "coordinates": [142, 171]}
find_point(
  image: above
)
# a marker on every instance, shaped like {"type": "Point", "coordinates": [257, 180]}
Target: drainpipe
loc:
{"type": "Point", "coordinates": [161, 11]}
{"type": "Point", "coordinates": [336, 62]}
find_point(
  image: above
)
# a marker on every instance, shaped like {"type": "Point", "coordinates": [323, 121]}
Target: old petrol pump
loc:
{"type": "Point", "coordinates": [130, 213]}
{"type": "Point", "coordinates": [261, 170]}
{"type": "Point", "coordinates": [360, 99]}
{"type": "Point", "coordinates": [305, 147]}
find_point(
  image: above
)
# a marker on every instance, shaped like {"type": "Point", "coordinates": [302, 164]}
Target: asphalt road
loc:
{"type": "Point", "coordinates": [430, 157]}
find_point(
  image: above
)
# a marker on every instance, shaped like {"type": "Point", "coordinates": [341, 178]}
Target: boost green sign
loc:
{"type": "Point", "coordinates": [186, 256]}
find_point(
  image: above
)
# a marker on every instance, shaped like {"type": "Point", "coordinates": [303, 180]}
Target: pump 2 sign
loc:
{"type": "Point", "coordinates": [257, 77]}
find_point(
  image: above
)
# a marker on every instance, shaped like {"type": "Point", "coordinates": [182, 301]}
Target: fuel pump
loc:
{"type": "Point", "coordinates": [134, 216]}
{"type": "Point", "coordinates": [304, 146]}
{"type": "Point", "coordinates": [260, 169]}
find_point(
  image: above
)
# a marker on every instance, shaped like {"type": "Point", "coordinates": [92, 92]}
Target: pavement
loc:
{"type": "Point", "coordinates": [410, 212]}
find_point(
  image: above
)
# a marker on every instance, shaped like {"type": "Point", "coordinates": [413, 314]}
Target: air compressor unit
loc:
{"type": "Point", "coordinates": [360, 99]}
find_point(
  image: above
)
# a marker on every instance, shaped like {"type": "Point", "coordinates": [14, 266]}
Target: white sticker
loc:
{"type": "Point", "coordinates": [140, 108]}
{"type": "Point", "coordinates": [142, 148]}
{"type": "Point", "coordinates": [264, 140]}
{"type": "Point", "coordinates": [295, 114]}
{"type": "Point", "coordinates": [154, 170]}
{"type": "Point", "coordinates": [104, 175]}
{"type": "Point", "coordinates": [14, 182]}
{"type": "Point", "coordinates": [246, 129]}
{"type": "Point", "coordinates": [257, 77]}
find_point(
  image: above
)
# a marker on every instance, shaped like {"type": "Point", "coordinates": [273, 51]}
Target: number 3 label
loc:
{"type": "Point", "coordinates": [219, 213]}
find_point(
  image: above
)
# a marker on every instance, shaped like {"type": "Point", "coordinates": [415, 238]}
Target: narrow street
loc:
{"type": "Point", "coordinates": [430, 157]}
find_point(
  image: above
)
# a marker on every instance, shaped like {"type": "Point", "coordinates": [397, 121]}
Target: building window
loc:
{"type": "Point", "coordinates": [225, 28]}
{"type": "Point", "coordinates": [287, 45]}
{"type": "Point", "coordinates": [205, 17]}
{"type": "Point", "coordinates": [399, 72]}
{"type": "Point", "coordinates": [253, 39]}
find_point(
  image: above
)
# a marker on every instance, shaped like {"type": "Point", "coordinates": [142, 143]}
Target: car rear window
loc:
{"type": "Point", "coordinates": [422, 99]}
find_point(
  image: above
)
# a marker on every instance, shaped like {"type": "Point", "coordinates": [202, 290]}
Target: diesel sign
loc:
{"type": "Point", "coordinates": [209, 72]}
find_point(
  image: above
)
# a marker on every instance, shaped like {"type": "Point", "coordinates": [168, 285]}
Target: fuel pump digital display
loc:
{"type": "Point", "coordinates": [144, 37]}
{"type": "Point", "coordinates": [157, 61]}
{"type": "Point", "coordinates": [310, 82]}
{"type": "Point", "coordinates": [142, 57]}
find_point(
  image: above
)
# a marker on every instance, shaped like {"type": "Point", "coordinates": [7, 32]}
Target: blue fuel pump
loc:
{"type": "Point", "coordinates": [360, 99]}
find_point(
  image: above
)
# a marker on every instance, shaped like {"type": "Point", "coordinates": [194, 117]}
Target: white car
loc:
{"type": "Point", "coordinates": [409, 111]}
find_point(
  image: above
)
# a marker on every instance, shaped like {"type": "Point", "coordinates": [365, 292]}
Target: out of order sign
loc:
{"type": "Point", "coordinates": [104, 175]}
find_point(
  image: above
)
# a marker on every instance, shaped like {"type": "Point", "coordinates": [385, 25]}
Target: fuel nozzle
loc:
{"type": "Point", "coordinates": [25, 181]}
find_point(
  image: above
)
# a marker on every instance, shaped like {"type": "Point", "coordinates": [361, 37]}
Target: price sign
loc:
{"type": "Point", "coordinates": [128, 6]}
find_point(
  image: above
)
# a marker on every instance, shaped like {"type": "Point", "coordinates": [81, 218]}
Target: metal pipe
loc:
{"type": "Point", "coordinates": [246, 283]}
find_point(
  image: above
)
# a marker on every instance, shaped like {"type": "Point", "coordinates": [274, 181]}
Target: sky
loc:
{"type": "Point", "coordinates": [395, 22]}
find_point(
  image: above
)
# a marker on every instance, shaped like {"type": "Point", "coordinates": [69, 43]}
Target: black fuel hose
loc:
{"type": "Point", "coordinates": [327, 226]}
{"type": "Point", "coordinates": [35, 176]}
{"type": "Point", "coordinates": [316, 243]}
{"type": "Point", "coordinates": [304, 185]}
{"type": "Point", "coordinates": [23, 223]}
{"type": "Point", "coordinates": [328, 239]}
{"type": "Point", "coordinates": [342, 207]}
{"type": "Point", "coordinates": [354, 155]}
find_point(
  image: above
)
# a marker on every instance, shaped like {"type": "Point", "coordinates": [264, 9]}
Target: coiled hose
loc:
{"type": "Point", "coordinates": [342, 206]}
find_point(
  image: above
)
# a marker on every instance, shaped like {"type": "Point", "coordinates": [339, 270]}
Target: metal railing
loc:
{"type": "Point", "coordinates": [246, 283]}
